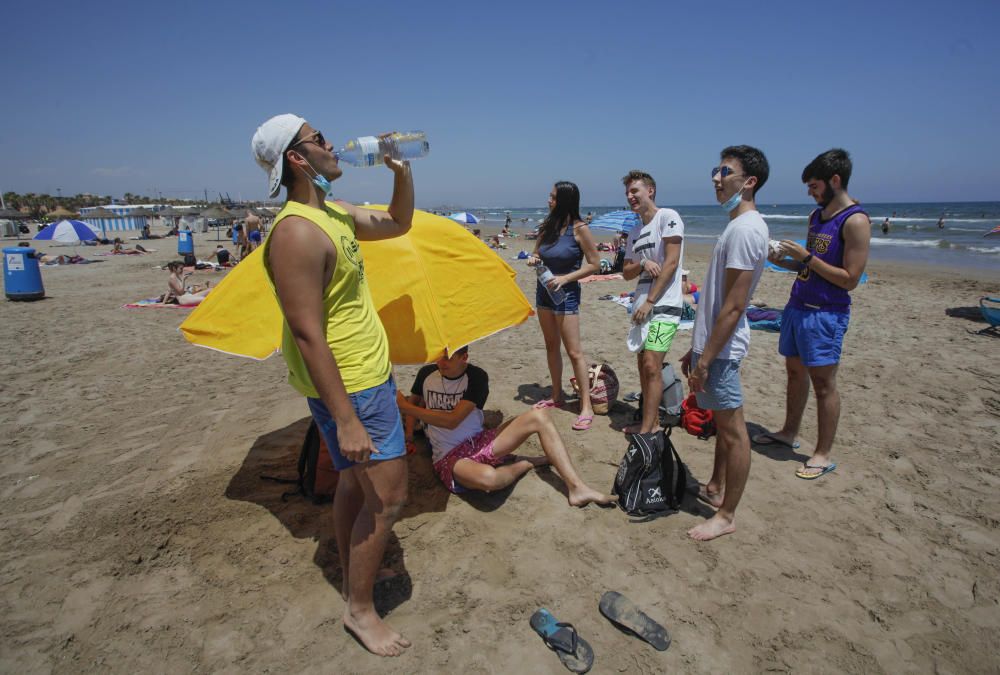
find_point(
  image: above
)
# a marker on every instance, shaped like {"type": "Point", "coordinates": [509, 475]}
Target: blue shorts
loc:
{"type": "Point", "coordinates": [723, 390]}
{"type": "Point", "coordinates": [571, 305]}
{"type": "Point", "coordinates": [379, 414]}
{"type": "Point", "coordinates": [812, 335]}
{"type": "Point", "coordinates": [255, 236]}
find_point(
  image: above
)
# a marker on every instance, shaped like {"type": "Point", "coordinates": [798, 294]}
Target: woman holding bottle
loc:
{"type": "Point", "coordinates": [566, 248]}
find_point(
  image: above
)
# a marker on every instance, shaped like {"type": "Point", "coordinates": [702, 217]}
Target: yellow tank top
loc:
{"type": "Point", "coordinates": [353, 328]}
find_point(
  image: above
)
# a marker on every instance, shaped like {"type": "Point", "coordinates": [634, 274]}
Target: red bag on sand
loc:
{"type": "Point", "coordinates": [695, 420]}
{"type": "Point", "coordinates": [603, 387]}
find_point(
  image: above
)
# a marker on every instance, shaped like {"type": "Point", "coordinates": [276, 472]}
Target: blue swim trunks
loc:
{"type": "Point", "coordinates": [571, 305]}
{"type": "Point", "coordinates": [379, 413]}
{"type": "Point", "coordinates": [812, 335]}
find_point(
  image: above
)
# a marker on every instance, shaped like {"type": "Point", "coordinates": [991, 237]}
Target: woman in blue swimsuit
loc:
{"type": "Point", "coordinates": [566, 247]}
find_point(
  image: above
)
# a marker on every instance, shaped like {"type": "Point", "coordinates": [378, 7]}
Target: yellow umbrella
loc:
{"type": "Point", "coordinates": [436, 289]}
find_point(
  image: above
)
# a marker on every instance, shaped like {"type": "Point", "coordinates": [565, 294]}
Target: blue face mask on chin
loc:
{"type": "Point", "coordinates": [733, 201]}
{"type": "Point", "coordinates": [319, 180]}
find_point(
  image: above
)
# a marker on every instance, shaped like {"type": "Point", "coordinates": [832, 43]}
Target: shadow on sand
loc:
{"type": "Point", "coordinates": [277, 453]}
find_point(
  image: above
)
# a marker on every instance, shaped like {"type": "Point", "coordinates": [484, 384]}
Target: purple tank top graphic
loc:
{"type": "Point", "coordinates": [810, 290]}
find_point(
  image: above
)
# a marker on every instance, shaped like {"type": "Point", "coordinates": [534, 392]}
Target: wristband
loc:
{"type": "Point", "coordinates": [805, 261]}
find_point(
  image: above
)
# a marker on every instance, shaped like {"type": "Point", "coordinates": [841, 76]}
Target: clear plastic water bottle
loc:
{"type": "Point", "coordinates": [544, 277]}
{"type": "Point", "coordinates": [368, 150]}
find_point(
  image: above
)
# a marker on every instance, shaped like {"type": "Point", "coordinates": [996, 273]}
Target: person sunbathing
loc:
{"type": "Point", "coordinates": [179, 294]}
{"type": "Point", "coordinates": [448, 396]}
{"type": "Point", "coordinates": [120, 248]}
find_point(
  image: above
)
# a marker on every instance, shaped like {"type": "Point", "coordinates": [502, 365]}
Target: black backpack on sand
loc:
{"type": "Point", "coordinates": [651, 478]}
{"type": "Point", "coordinates": [312, 455]}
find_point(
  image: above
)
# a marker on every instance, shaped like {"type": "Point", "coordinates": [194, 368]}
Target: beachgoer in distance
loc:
{"type": "Point", "coordinates": [506, 222]}
{"type": "Point", "coordinates": [449, 396]}
{"type": "Point", "coordinates": [722, 334]}
{"type": "Point", "coordinates": [655, 256]}
{"type": "Point", "coordinates": [253, 232]}
{"type": "Point", "coordinates": [177, 291]}
{"type": "Point", "coordinates": [689, 288]}
{"type": "Point", "coordinates": [566, 246]}
{"type": "Point", "coordinates": [885, 225]}
{"type": "Point", "coordinates": [221, 255]}
{"type": "Point", "coordinates": [815, 320]}
{"type": "Point", "coordinates": [941, 223]}
{"type": "Point", "coordinates": [336, 349]}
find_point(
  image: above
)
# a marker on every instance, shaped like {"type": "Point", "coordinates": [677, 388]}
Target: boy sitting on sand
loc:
{"type": "Point", "coordinates": [448, 396]}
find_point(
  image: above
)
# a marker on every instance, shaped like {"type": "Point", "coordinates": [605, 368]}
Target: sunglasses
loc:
{"type": "Point", "coordinates": [723, 171]}
{"type": "Point", "coordinates": [315, 137]}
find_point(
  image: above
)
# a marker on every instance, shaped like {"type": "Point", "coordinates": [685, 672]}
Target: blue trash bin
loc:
{"type": "Point", "coordinates": [185, 242]}
{"type": "Point", "coordinates": [22, 278]}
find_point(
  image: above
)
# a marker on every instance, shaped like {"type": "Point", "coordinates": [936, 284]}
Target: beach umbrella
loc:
{"type": "Point", "coordinates": [616, 221]}
{"type": "Point", "coordinates": [60, 213]}
{"type": "Point", "coordinates": [216, 212]}
{"type": "Point", "coordinates": [436, 289]}
{"type": "Point", "coordinates": [12, 214]}
{"type": "Point", "coordinates": [464, 217]}
{"type": "Point", "coordinates": [995, 231]}
{"type": "Point", "coordinates": [67, 232]}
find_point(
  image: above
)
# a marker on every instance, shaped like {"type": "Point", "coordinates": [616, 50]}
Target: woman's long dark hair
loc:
{"type": "Point", "coordinates": [566, 212]}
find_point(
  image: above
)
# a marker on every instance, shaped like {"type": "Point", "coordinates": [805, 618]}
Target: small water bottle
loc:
{"type": "Point", "coordinates": [368, 150]}
{"type": "Point", "coordinates": [544, 277]}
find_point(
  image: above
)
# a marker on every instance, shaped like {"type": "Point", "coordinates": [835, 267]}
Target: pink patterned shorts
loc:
{"type": "Point", "coordinates": [479, 449]}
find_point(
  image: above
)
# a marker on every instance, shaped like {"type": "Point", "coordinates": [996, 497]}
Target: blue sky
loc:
{"type": "Point", "coordinates": [115, 97]}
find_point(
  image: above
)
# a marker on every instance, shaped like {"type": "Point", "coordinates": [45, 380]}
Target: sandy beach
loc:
{"type": "Point", "coordinates": [137, 535]}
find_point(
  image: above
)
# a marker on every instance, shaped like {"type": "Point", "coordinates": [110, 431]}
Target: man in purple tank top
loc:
{"type": "Point", "coordinates": [819, 309]}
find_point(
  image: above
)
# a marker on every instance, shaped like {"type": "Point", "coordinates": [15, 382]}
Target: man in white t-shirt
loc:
{"type": "Point", "coordinates": [722, 334]}
{"type": "Point", "coordinates": [654, 254]}
{"type": "Point", "coordinates": [448, 396]}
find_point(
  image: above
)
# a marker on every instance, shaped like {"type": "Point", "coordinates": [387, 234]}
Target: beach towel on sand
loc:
{"type": "Point", "coordinates": [154, 303]}
{"type": "Point", "coordinates": [764, 318]}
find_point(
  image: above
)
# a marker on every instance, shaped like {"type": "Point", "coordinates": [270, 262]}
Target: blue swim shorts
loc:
{"type": "Point", "coordinates": [812, 335]}
{"type": "Point", "coordinates": [723, 390]}
{"type": "Point", "coordinates": [379, 414]}
{"type": "Point", "coordinates": [571, 305]}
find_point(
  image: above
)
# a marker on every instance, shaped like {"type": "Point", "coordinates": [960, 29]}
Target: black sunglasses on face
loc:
{"type": "Point", "coordinates": [315, 137]}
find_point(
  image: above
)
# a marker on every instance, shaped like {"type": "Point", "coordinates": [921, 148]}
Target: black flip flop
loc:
{"type": "Point", "coordinates": [623, 613]}
{"type": "Point", "coordinates": [574, 652]}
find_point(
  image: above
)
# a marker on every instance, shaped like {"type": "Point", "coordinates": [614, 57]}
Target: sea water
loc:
{"type": "Point", "coordinates": [914, 236]}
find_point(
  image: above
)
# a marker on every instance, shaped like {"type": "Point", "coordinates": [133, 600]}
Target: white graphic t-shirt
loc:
{"type": "Point", "coordinates": [442, 393]}
{"type": "Point", "coordinates": [742, 246]}
{"type": "Point", "coordinates": [645, 242]}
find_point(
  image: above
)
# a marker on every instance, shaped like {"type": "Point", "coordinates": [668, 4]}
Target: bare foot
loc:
{"type": "Point", "coordinates": [716, 526]}
{"type": "Point", "coordinates": [713, 499]}
{"type": "Point", "coordinates": [586, 495]}
{"type": "Point", "coordinates": [376, 635]}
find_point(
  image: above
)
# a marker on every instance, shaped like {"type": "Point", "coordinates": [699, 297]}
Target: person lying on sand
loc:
{"type": "Point", "coordinates": [121, 249]}
{"type": "Point", "coordinates": [448, 396]}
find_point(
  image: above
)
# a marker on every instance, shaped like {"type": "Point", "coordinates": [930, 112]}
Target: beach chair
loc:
{"type": "Point", "coordinates": [990, 308]}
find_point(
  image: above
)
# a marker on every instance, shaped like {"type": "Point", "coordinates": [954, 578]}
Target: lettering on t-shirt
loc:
{"type": "Point", "coordinates": [442, 400]}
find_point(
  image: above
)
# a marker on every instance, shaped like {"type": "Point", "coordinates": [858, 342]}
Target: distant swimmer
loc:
{"type": "Point", "coordinates": [941, 223]}
{"type": "Point", "coordinates": [885, 226]}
